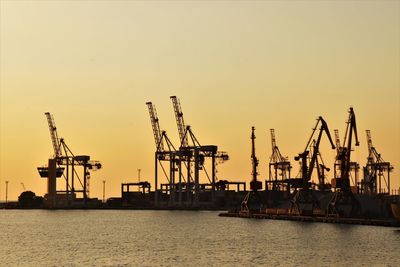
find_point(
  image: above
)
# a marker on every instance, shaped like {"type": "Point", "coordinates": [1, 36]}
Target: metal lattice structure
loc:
{"type": "Point", "coordinates": [344, 167]}
{"type": "Point", "coordinates": [279, 166]}
{"type": "Point", "coordinates": [179, 121]}
{"type": "Point", "coordinates": [376, 172]}
{"type": "Point", "coordinates": [156, 126]}
{"type": "Point", "coordinates": [54, 136]}
{"type": "Point", "coordinates": [344, 196]}
{"type": "Point", "coordinates": [66, 163]}
{"type": "Point", "coordinates": [310, 159]}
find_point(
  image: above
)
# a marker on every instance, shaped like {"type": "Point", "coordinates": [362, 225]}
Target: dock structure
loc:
{"type": "Point", "coordinates": [321, 219]}
{"type": "Point", "coordinates": [190, 179]}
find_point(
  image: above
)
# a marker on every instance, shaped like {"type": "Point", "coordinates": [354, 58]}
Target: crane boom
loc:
{"type": "Point", "coordinates": [156, 126]}
{"type": "Point", "coordinates": [54, 136]}
{"type": "Point", "coordinates": [324, 127]}
{"type": "Point", "coordinates": [179, 121]}
{"type": "Point", "coordinates": [273, 140]}
{"type": "Point", "coordinates": [369, 141]}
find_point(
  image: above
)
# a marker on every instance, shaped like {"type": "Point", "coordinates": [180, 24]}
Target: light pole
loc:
{"type": "Point", "coordinates": [138, 170]}
{"type": "Point", "coordinates": [6, 191]}
{"type": "Point", "coordinates": [104, 190]}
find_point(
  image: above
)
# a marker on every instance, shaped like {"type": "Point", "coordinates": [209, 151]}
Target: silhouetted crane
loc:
{"type": "Point", "coordinates": [305, 195]}
{"type": "Point", "coordinates": [343, 196]}
{"type": "Point", "coordinates": [251, 201]}
{"type": "Point", "coordinates": [279, 166]}
{"type": "Point", "coordinates": [375, 169]}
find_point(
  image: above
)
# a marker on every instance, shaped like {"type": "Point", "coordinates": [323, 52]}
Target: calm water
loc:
{"type": "Point", "coordinates": [184, 238]}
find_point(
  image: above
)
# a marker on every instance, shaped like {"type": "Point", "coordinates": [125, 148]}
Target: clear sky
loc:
{"type": "Point", "coordinates": [233, 64]}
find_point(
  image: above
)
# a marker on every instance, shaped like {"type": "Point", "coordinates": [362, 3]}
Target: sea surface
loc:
{"type": "Point", "coordinates": [186, 238]}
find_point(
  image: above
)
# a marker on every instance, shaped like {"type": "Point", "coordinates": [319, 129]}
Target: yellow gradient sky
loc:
{"type": "Point", "coordinates": [271, 64]}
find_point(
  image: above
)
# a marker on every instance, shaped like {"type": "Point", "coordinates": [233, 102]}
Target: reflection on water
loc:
{"type": "Point", "coordinates": [185, 238]}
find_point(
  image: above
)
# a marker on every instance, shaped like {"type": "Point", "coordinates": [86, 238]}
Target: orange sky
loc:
{"type": "Point", "coordinates": [94, 64]}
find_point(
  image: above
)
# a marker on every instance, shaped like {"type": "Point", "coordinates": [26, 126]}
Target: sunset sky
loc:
{"type": "Point", "coordinates": [233, 64]}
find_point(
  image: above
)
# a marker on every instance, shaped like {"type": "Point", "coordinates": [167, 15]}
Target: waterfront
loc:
{"type": "Point", "coordinates": [185, 238]}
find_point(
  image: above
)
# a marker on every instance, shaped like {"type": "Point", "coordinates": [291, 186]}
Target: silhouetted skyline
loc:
{"type": "Point", "coordinates": [233, 65]}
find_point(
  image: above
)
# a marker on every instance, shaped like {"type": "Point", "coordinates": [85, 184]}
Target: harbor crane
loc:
{"type": "Point", "coordinates": [164, 153]}
{"type": "Point", "coordinates": [251, 201]}
{"type": "Point", "coordinates": [321, 168]}
{"type": "Point", "coordinates": [343, 195]}
{"type": "Point", "coordinates": [279, 166]}
{"type": "Point", "coordinates": [304, 194]}
{"type": "Point", "coordinates": [191, 151]}
{"type": "Point", "coordinates": [343, 159]}
{"type": "Point", "coordinates": [66, 160]}
{"type": "Point", "coordinates": [354, 166]}
{"type": "Point", "coordinates": [307, 169]}
{"type": "Point", "coordinates": [375, 171]}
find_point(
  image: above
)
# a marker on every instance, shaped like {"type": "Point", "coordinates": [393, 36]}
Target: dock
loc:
{"type": "Point", "coordinates": [357, 221]}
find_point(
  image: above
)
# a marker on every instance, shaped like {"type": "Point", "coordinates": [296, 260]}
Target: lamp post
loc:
{"type": "Point", "coordinates": [6, 191]}
{"type": "Point", "coordinates": [139, 178]}
{"type": "Point", "coordinates": [104, 190]}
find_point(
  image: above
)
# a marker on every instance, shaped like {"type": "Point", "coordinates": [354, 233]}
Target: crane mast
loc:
{"type": "Point", "coordinates": [343, 195]}
{"type": "Point", "coordinates": [254, 184]}
{"type": "Point", "coordinates": [179, 121]}
{"type": "Point", "coordinates": [254, 160]}
{"type": "Point", "coordinates": [54, 136]}
{"type": "Point", "coordinates": [252, 202]}
{"type": "Point", "coordinates": [156, 126]}
{"type": "Point", "coordinates": [345, 154]}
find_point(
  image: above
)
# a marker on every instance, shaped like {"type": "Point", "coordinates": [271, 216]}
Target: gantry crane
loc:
{"type": "Point", "coordinates": [191, 151]}
{"type": "Point", "coordinates": [66, 160]}
{"type": "Point", "coordinates": [375, 170]}
{"type": "Point", "coordinates": [279, 166]}
{"type": "Point", "coordinates": [166, 153]}
{"type": "Point", "coordinates": [304, 195]}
